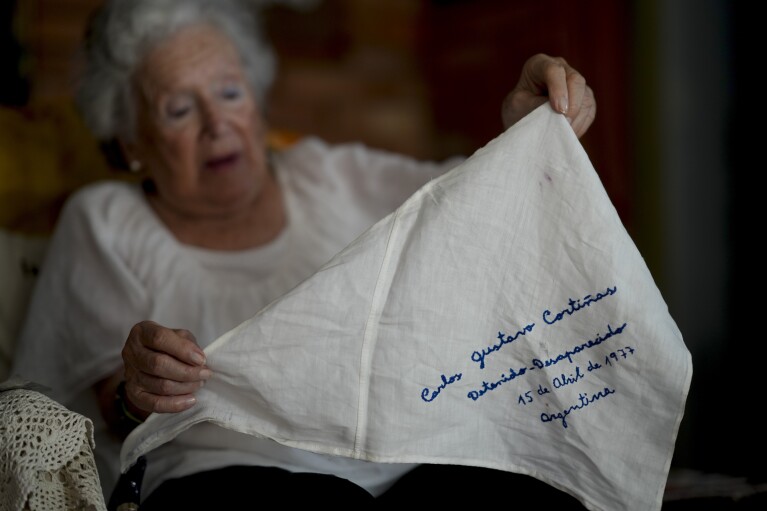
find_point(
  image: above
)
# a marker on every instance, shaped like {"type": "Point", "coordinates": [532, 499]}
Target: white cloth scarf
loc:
{"type": "Point", "coordinates": [502, 317]}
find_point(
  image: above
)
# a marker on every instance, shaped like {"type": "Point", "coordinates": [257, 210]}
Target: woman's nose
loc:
{"type": "Point", "coordinates": [214, 121]}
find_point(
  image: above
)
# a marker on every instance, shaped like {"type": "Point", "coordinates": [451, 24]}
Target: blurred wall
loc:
{"type": "Point", "coordinates": [695, 218]}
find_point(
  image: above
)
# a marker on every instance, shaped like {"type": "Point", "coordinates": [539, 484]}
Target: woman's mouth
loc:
{"type": "Point", "coordinates": [222, 163]}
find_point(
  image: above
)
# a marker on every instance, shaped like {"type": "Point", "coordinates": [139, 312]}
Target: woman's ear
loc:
{"type": "Point", "coordinates": [130, 156]}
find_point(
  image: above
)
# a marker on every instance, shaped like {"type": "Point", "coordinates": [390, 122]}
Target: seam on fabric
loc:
{"type": "Point", "coordinates": [370, 335]}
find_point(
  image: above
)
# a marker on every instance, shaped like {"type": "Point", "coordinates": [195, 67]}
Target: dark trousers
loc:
{"type": "Point", "coordinates": [260, 488]}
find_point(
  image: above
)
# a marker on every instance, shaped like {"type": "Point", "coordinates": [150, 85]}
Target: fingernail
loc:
{"type": "Point", "coordinates": [198, 358]}
{"type": "Point", "coordinates": [562, 105]}
{"type": "Point", "coordinates": [205, 374]}
{"type": "Point", "coordinates": [189, 401]}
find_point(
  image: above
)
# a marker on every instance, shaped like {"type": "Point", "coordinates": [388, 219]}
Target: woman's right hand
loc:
{"type": "Point", "coordinates": [164, 367]}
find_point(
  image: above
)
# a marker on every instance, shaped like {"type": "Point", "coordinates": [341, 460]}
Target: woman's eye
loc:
{"type": "Point", "coordinates": [177, 113]}
{"type": "Point", "coordinates": [177, 109]}
{"type": "Point", "coordinates": [231, 92]}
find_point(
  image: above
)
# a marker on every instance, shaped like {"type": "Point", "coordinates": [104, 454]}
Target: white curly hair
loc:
{"type": "Point", "coordinates": [121, 32]}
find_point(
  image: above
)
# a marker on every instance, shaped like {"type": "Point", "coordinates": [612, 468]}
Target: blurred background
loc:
{"type": "Point", "coordinates": [673, 141]}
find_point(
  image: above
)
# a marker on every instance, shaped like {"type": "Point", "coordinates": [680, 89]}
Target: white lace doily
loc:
{"type": "Point", "coordinates": [46, 456]}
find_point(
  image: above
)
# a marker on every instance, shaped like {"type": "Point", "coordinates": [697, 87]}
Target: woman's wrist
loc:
{"type": "Point", "coordinates": [127, 415]}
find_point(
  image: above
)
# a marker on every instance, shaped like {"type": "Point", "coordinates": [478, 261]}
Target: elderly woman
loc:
{"type": "Point", "coordinates": [217, 230]}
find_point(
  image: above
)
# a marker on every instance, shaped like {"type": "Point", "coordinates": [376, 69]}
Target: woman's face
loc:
{"type": "Point", "coordinates": [200, 133]}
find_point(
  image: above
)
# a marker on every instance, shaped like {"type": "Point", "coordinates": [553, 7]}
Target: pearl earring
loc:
{"type": "Point", "coordinates": [135, 166]}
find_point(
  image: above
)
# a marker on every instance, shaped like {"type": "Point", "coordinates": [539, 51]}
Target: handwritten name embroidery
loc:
{"type": "Point", "coordinates": [430, 395]}
{"type": "Point", "coordinates": [576, 305]}
{"type": "Point", "coordinates": [583, 402]}
{"type": "Point", "coordinates": [479, 356]}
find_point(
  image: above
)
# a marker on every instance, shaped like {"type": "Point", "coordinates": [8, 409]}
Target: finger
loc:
{"type": "Point", "coordinates": [543, 75]}
{"type": "Point", "coordinates": [141, 359]}
{"type": "Point", "coordinates": [586, 114]}
{"type": "Point", "coordinates": [551, 74]}
{"type": "Point", "coordinates": [576, 91]}
{"type": "Point", "coordinates": [156, 403]}
{"type": "Point", "coordinates": [178, 343]}
{"type": "Point", "coordinates": [140, 353]}
{"type": "Point", "coordinates": [163, 386]}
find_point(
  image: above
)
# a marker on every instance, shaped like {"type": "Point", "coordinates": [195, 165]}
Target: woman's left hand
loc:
{"type": "Point", "coordinates": [545, 78]}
